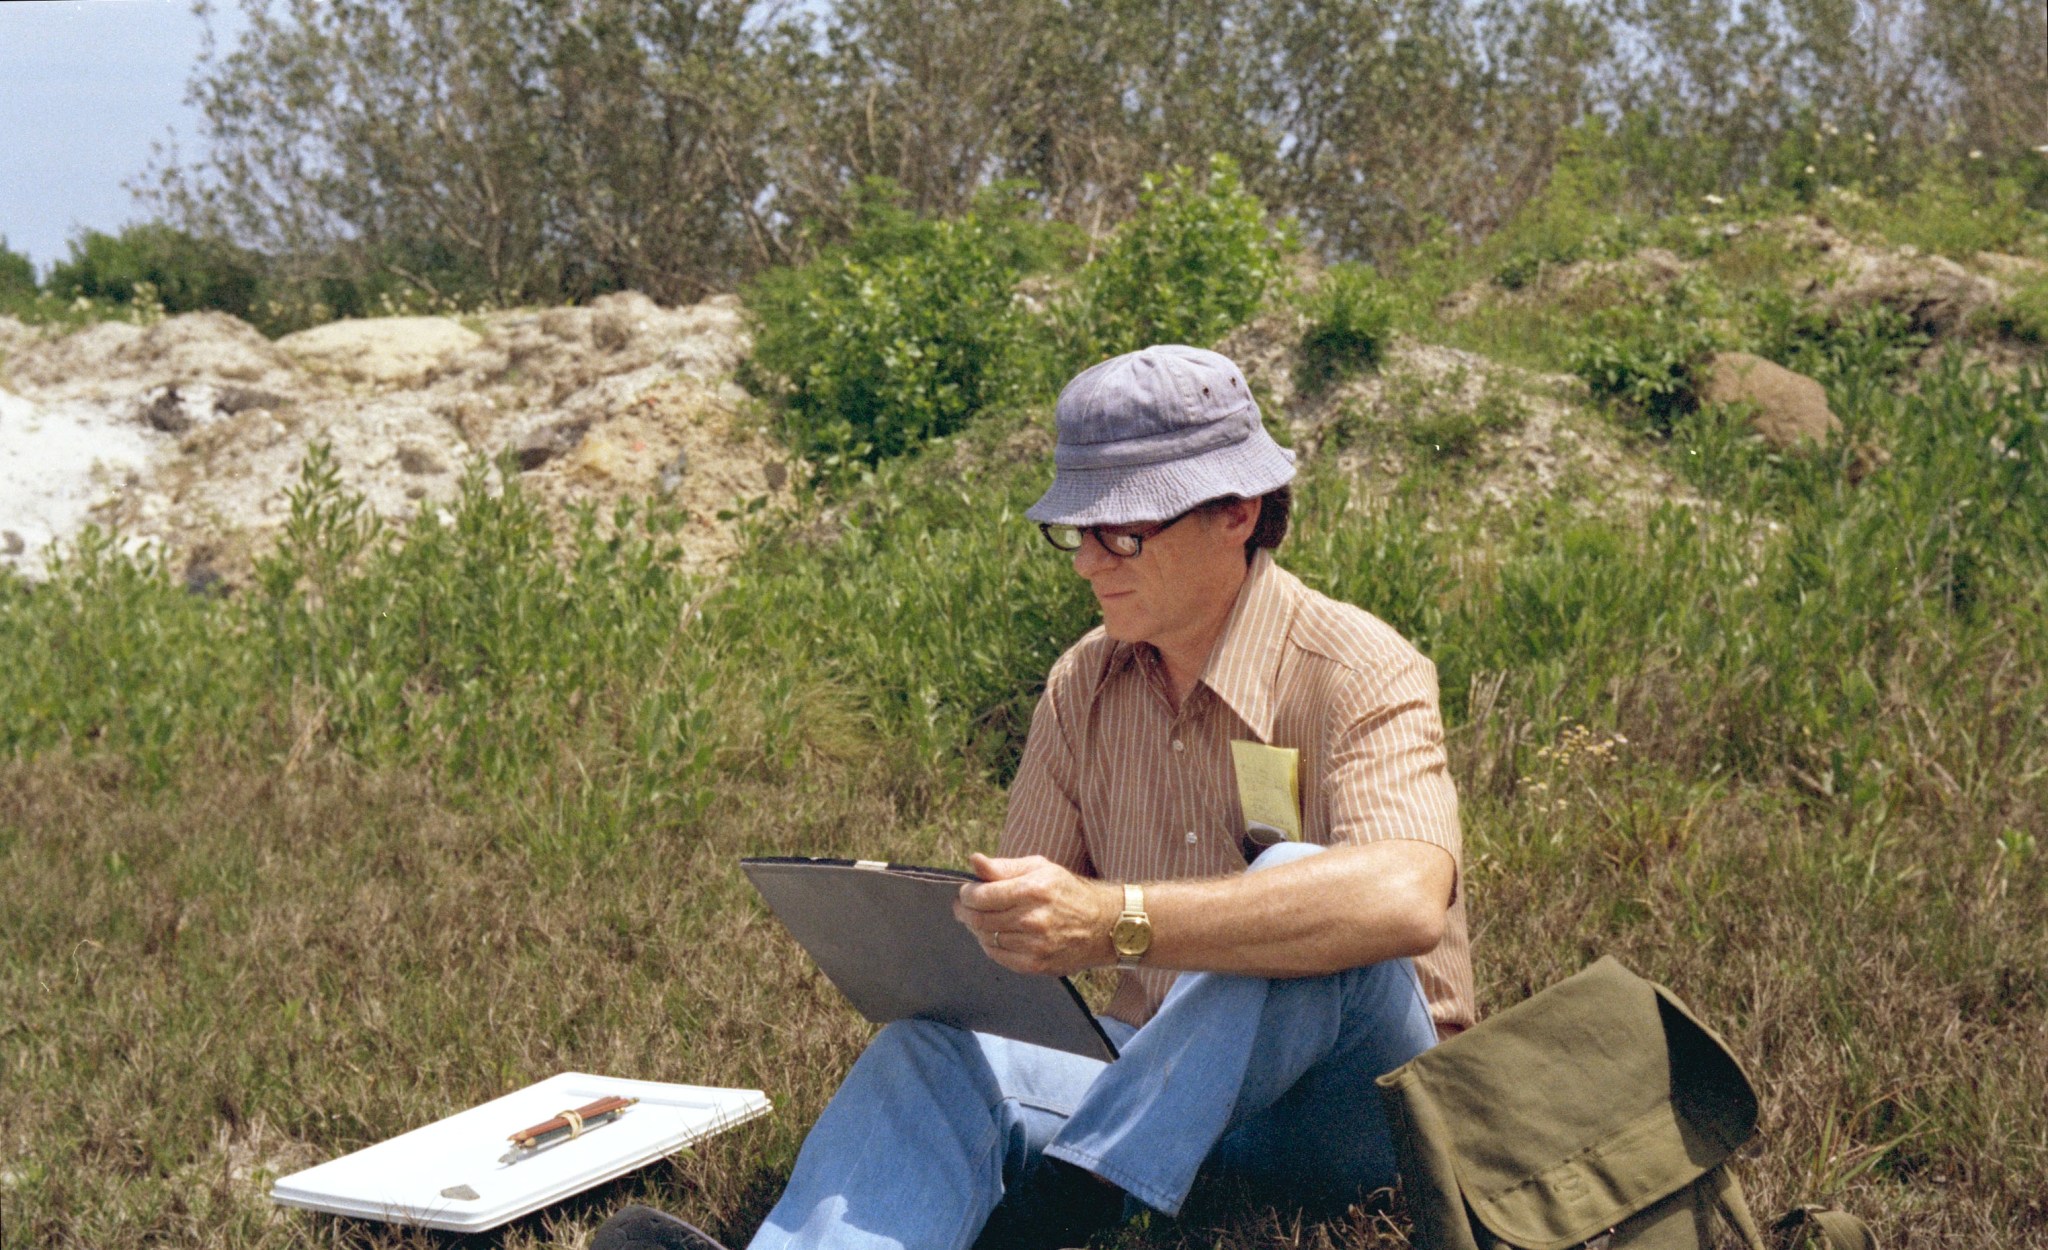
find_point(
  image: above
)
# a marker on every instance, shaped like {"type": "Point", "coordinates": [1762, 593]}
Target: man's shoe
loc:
{"type": "Point", "coordinates": [1057, 1205]}
{"type": "Point", "coordinates": [635, 1227]}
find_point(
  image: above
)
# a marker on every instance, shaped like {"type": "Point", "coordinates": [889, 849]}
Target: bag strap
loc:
{"type": "Point", "coordinates": [1834, 1230]}
{"type": "Point", "coordinates": [1734, 1206]}
{"type": "Point", "coordinates": [1797, 1229]}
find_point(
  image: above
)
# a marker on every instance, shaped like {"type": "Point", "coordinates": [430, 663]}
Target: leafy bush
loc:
{"type": "Point", "coordinates": [934, 601]}
{"type": "Point", "coordinates": [2023, 315]}
{"type": "Point", "coordinates": [911, 326]}
{"type": "Point", "coordinates": [17, 275]}
{"type": "Point", "coordinates": [1350, 315]}
{"type": "Point", "coordinates": [1195, 261]}
{"type": "Point", "coordinates": [1524, 265]}
{"type": "Point", "coordinates": [1453, 430]}
{"type": "Point", "coordinates": [1645, 356]}
{"type": "Point", "coordinates": [1945, 208]}
{"type": "Point", "coordinates": [1575, 217]}
{"type": "Point", "coordinates": [112, 653]}
{"type": "Point", "coordinates": [464, 645]}
{"type": "Point", "coordinates": [1872, 342]}
{"type": "Point", "coordinates": [899, 336]}
{"type": "Point", "coordinates": [156, 263]}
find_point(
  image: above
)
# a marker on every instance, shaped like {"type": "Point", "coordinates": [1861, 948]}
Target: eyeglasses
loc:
{"type": "Point", "coordinates": [1122, 543]}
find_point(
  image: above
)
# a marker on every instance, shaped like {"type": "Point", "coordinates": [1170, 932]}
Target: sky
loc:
{"type": "Point", "coordinates": [86, 86]}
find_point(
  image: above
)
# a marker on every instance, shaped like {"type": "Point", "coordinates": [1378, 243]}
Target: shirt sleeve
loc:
{"type": "Point", "coordinates": [1387, 776]}
{"type": "Point", "coordinates": [1044, 816]}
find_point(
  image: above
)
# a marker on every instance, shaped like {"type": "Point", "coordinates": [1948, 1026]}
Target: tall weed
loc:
{"type": "Point", "coordinates": [932, 597]}
{"type": "Point", "coordinates": [463, 644]}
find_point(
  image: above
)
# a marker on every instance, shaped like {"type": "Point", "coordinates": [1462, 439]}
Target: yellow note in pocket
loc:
{"type": "Point", "coordinates": [1269, 791]}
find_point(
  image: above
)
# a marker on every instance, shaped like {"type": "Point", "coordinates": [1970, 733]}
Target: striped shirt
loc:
{"type": "Point", "coordinates": [1115, 784]}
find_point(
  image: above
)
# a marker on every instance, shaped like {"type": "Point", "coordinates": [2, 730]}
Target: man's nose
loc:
{"type": "Point", "coordinates": [1091, 557]}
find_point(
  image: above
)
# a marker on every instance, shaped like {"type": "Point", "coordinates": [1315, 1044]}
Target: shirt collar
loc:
{"type": "Point", "coordinates": [1244, 669]}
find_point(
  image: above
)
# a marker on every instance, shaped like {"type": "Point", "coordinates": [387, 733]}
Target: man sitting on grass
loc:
{"type": "Point", "coordinates": [1264, 986]}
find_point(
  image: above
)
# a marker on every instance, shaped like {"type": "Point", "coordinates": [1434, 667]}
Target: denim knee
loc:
{"type": "Point", "coordinates": [914, 1043]}
{"type": "Point", "coordinates": [1283, 853]}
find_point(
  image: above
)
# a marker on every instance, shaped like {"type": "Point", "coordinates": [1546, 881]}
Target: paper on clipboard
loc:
{"type": "Point", "coordinates": [455, 1174]}
{"type": "Point", "coordinates": [1268, 791]}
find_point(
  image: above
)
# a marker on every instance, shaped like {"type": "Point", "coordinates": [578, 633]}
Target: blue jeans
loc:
{"type": "Point", "coordinates": [1269, 1080]}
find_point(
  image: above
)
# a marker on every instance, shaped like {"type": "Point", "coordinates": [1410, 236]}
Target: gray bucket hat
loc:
{"type": "Point", "coordinates": [1150, 434]}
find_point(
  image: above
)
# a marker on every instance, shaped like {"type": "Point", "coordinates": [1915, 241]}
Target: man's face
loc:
{"type": "Point", "coordinates": [1181, 584]}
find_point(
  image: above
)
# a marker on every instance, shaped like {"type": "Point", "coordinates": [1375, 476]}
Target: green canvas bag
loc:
{"type": "Point", "coordinates": [1599, 1113]}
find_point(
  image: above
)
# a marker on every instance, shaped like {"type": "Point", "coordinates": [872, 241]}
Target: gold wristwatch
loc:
{"type": "Point", "coordinates": [1132, 933]}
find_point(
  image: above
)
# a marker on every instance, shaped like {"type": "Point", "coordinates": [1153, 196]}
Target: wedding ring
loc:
{"type": "Point", "coordinates": [997, 940]}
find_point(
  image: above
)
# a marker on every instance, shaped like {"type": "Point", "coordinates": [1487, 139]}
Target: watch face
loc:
{"type": "Point", "coordinates": [1131, 936]}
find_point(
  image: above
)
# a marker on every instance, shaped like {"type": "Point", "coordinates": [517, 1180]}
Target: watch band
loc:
{"type": "Point", "coordinates": [1133, 918]}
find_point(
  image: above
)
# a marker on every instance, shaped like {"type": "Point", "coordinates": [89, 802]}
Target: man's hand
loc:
{"type": "Point", "coordinates": [1034, 916]}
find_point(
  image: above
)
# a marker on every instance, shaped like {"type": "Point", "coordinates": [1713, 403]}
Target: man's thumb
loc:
{"type": "Point", "coordinates": [989, 868]}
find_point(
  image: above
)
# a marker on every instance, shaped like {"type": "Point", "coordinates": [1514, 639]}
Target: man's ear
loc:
{"type": "Point", "coordinates": [1239, 517]}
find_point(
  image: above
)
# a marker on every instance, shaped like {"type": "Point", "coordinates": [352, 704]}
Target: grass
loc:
{"type": "Point", "coordinates": [427, 815]}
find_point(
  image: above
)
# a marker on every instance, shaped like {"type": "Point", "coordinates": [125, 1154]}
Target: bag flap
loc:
{"type": "Point", "coordinates": [1581, 1106]}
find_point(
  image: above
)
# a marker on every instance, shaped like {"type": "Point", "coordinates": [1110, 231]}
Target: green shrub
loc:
{"type": "Point", "coordinates": [1524, 265]}
{"type": "Point", "coordinates": [1374, 553]}
{"type": "Point", "coordinates": [908, 328]}
{"type": "Point", "coordinates": [1647, 363]}
{"type": "Point", "coordinates": [17, 275]}
{"type": "Point", "coordinates": [1194, 262]}
{"type": "Point", "coordinates": [1873, 342]}
{"type": "Point", "coordinates": [2023, 315]}
{"type": "Point", "coordinates": [1949, 209]}
{"type": "Point", "coordinates": [898, 336]}
{"type": "Point", "coordinates": [392, 280]}
{"type": "Point", "coordinates": [467, 644]}
{"type": "Point", "coordinates": [111, 653]}
{"type": "Point", "coordinates": [1351, 316]}
{"type": "Point", "coordinates": [1574, 217]}
{"type": "Point", "coordinates": [1451, 429]}
{"type": "Point", "coordinates": [461, 642]}
{"type": "Point", "coordinates": [934, 602]}
{"type": "Point", "coordinates": [157, 264]}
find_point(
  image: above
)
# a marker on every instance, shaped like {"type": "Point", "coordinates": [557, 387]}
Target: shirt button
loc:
{"type": "Point", "coordinates": [1191, 837]}
{"type": "Point", "coordinates": [1178, 745]}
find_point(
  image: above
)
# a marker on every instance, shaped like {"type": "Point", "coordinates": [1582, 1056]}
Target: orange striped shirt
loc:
{"type": "Point", "coordinates": [1115, 784]}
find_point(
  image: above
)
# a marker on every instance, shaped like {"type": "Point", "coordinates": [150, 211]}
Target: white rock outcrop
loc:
{"type": "Point", "coordinates": [186, 434]}
{"type": "Point", "coordinates": [380, 351]}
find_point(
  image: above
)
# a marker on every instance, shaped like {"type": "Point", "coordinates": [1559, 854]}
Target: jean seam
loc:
{"type": "Point", "coordinates": [1063, 1110]}
{"type": "Point", "coordinates": [964, 1235]}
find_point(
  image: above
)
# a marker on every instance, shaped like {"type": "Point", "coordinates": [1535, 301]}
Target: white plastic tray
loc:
{"type": "Point", "coordinates": [404, 1180]}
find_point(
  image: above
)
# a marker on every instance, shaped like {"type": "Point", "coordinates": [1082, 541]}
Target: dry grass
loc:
{"type": "Point", "coordinates": [252, 972]}
{"type": "Point", "coordinates": [261, 972]}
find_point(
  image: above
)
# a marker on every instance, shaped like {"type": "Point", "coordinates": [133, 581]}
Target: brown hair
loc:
{"type": "Point", "coordinates": [1275, 507]}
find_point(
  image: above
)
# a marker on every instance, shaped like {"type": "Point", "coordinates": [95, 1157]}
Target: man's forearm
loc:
{"type": "Point", "coordinates": [1345, 908]}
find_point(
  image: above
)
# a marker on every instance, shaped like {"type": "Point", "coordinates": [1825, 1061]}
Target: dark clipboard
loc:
{"type": "Point", "coordinates": [885, 935]}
